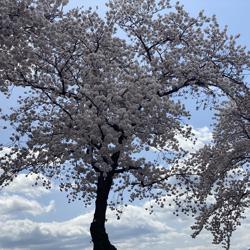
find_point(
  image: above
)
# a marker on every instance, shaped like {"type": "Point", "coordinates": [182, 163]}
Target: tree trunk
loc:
{"type": "Point", "coordinates": [97, 229]}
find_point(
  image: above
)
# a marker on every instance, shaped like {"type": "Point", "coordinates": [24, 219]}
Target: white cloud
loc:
{"type": "Point", "coordinates": [25, 186]}
{"type": "Point", "coordinates": [199, 247]}
{"type": "Point", "coordinates": [135, 230]}
{"type": "Point", "coordinates": [10, 205]}
{"type": "Point", "coordinates": [203, 135]}
{"type": "Point", "coordinates": [5, 150]}
{"type": "Point", "coordinates": [165, 231]}
{"type": "Point", "coordinates": [19, 198]}
{"type": "Point", "coordinates": [72, 234]}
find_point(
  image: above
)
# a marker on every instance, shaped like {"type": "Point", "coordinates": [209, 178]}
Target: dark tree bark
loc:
{"type": "Point", "coordinates": [97, 229]}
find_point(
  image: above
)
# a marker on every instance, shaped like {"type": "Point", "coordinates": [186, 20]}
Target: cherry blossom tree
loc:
{"type": "Point", "coordinates": [93, 103]}
{"type": "Point", "coordinates": [223, 168]}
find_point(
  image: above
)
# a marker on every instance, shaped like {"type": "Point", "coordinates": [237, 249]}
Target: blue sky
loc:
{"type": "Point", "coordinates": [37, 219]}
